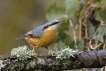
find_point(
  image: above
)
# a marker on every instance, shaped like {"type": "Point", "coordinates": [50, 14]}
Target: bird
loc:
{"type": "Point", "coordinates": [44, 35]}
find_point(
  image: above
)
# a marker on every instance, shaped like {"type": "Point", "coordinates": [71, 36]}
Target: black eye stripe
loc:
{"type": "Point", "coordinates": [50, 25]}
{"type": "Point", "coordinates": [53, 23]}
{"type": "Point", "coordinates": [45, 27]}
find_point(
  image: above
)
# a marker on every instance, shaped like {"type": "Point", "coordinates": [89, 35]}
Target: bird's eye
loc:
{"type": "Point", "coordinates": [45, 27]}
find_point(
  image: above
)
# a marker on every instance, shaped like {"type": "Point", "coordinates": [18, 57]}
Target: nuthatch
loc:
{"type": "Point", "coordinates": [44, 35]}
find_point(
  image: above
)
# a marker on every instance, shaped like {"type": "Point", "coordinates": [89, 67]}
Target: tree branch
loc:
{"type": "Point", "coordinates": [91, 59]}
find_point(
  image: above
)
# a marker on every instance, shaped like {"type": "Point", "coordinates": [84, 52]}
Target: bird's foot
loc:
{"type": "Point", "coordinates": [36, 54]}
{"type": "Point", "coordinates": [47, 48]}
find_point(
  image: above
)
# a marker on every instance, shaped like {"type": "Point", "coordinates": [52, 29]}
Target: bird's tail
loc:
{"type": "Point", "coordinates": [21, 37]}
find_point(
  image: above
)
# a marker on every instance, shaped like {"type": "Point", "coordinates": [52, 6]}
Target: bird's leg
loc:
{"type": "Point", "coordinates": [35, 52]}
{"type": "Point", "coordinates": [47, 48]}
{"type": "Point", "coordinates": [33, 49]}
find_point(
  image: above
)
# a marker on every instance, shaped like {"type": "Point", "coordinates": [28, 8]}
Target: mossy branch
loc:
{"type": "Point", "coordinates": [91, 59]}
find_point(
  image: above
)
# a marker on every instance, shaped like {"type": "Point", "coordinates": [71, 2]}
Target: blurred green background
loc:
{"type": "Point", "coordinates": [18, 17]}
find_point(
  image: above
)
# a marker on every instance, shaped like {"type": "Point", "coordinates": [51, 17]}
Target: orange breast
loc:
{"type": "Point", "coordinates": [47, 39]}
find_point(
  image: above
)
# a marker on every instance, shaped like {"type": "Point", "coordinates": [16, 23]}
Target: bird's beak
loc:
{"type": "Point", "coordinates": [63, 20]}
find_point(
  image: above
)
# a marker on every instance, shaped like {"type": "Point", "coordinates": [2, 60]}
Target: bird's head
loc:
{"type": "Point", "coordinates": [53, 24]}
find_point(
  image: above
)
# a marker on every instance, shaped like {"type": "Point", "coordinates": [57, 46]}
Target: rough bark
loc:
{"type": "Point", "coordinates": [91, 59]}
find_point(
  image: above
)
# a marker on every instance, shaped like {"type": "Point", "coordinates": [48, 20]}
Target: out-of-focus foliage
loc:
{"type": "Point", "coordinates": [102, 13]}
{"type": "Point", "coordinates": [85, 26]}
{"type": "Point", "coordinates": [72, 7]}
{"type": "Point", "coordinates": [57, 12]}
{"type": "Point", "coordinates": [102, 4]}
{"type": "Point", "coordinates": [101, 33]}
{"type": "Point", "coordinates": [63, 27]}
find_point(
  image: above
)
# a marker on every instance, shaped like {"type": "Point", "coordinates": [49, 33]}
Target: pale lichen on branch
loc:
{"type": "Point", "coordinates": [22, 52]}
{"type": "Point", "coordinates": [1, 64]}
{"type": "Point", "coordinates": [23, 59]}
{"type": "Point", "coordinates": [63, 53]}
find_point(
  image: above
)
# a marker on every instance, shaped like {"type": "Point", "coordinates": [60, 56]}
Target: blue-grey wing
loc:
{"type": "Point", "coordinates": [37, 33]}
